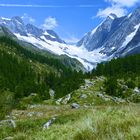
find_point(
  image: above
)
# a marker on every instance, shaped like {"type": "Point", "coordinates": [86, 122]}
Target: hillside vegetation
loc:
{"type": "Point", "coordinates": [23, 72]}
{"type": "Point", "coordinates": [122, 71]}
{"type": "Point", "coordinates": [36, 89]}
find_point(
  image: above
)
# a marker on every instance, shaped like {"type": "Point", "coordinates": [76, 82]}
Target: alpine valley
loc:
{"type": "Point", "coordinates": [52, 90]}
{"type": "Point", "coordinates": [114, 37]}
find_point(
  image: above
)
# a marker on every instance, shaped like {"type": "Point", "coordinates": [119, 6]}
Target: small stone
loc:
{"type": "Point", "coordinates": [8, 138]}
{"type": "Point", "coordinates": [124, 87]}
{"type": "Point", "coordinates": [136, 90]}
{"type": "Point", "coordinates": [66, 99]}
{"type": "Point", "coordinates": [86, 106]}
{"type": "Point", "coordinates": [100, 95]}
{"type": "Point", "coordinates": [33, 94]}
{"type": "Point", "coordinates": [75, 105]}
{"type": "Point", "coordinates": [83, 96]}
{"type": "Point", "coordinates": [49, 123]}
{"type": "Point", "coordinates": [52, 93]}
{"type": "Point", "coordinates": [58, 102]}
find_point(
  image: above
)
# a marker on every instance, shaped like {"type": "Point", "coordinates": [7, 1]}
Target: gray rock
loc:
{"type": "Point", "coordinates": [8, 123]}
{"type": "Point", "coordinates": [100, 95]}
{"type": "Point", "coordinates": [75, 105]}
{"type": "Point", "coordinates": [58, 102]}
{"type": "Point", "coordinates": [33, 94]}
{"type": "Point", "coordinates": [8, 138]}
{"type": "Point", "coordinates": [124, 87]}
{"type": "Point", "coordinates": [49, 123]}
{"type": "Point", "coordinates": [52, 93]}
{"type": "Point", "coordinates": [66, 99]}
{"type": "Point", "coordinates": [118, 100]}
{"type": "Point", "coordinates": [83, 96]}
{"type": "Point", "coordinates": [38, 114]}
{"type": "Point", "coordinates": [136, 90]}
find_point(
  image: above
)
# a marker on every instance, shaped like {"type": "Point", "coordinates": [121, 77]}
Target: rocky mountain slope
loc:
{"type": "Point", "coordinates": [115, 37]}
{"type": "Point", "coordinates": [46, 40]}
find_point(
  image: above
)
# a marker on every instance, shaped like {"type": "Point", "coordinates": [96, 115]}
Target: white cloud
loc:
{"type": "Point", "coordinates": [49, 6]}
{"type": "Point", "coordinates": [123, 3]}
{"type": "Point", "coordinates": [118, 7]}
{"type": "Point", "coordinates": [28, 18]}
{"type": "Point", "coordinates": [50, 23]}
{"type": "Point", "coordinates": [102, 13]}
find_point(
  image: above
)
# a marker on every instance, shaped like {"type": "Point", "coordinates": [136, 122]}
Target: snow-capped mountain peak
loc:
{"type": "Point", "coordinates": [97, 36]}
{"type": "Point", "coordinates": [114, 37]}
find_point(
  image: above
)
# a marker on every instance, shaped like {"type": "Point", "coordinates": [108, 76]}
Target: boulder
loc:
{"type": "Point", "coordinates": [52, 93]}
{"type": "Point", "coordinates": [49, 123]}
{"type": "Point", "coordinates": [8, 123]}
{"type": "Point", "coordinates": [75, 105]}
{"type": "Point", "coordinates": [136, 90]}
{"type": "Point", "coordinates": [124, 87]}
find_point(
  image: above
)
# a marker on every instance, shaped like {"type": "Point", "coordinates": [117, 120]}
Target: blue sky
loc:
{"type": "Point", "coordinates": [71, 19]}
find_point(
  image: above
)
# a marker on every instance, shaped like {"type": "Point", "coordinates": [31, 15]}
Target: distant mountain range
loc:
{"type": "Point", "coordinates": [114, 37]}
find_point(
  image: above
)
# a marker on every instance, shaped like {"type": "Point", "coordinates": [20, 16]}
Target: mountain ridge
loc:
{"type": "Point", "coordinates": [114, 37]}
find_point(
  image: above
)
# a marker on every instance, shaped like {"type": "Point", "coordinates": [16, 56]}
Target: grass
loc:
{"type": "Point", "coordinates": [118, 122]}
{"type": "Point", "coordinates": [99, 120]}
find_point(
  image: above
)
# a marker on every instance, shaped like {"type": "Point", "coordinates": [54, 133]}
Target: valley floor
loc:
{"type": "Point", "coordinates": [104, 122]}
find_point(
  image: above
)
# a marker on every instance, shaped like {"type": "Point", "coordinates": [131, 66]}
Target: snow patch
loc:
{"type": "Point", "coordinates": [3, 18]}
{"type": "Point", "coordinates": [130, 36]}
{"type": "Point", "coordinates": [88, 59]}
{"type": "Point", "coordinates": [46, 33]}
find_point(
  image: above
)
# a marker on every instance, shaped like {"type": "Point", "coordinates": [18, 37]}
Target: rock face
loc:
{"type": "Point", "coordinates": [115, 36]}
{"type": "Point", "coordinates": [4, 31]}
{"type": "Point", "coordinates": [16, 25]}
{"type": "Point", "coordinates": [97, 37]}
